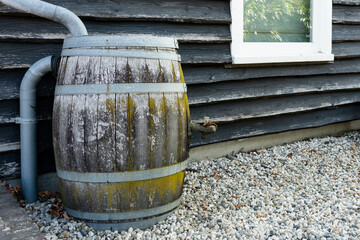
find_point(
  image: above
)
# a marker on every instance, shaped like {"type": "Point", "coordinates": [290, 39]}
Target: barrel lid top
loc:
{"type": "Point", "coordinates": [120, 41]}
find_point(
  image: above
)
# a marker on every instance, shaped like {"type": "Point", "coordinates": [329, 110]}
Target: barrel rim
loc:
{"type": "Point", "coordinates": [120, 41]}
{"type": "Point", "coordinates": [119, 216]}
{"type": "Point", "coordinates": [141, 224]}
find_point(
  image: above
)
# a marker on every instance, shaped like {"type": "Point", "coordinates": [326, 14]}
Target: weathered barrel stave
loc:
{"type": "Point", "coordinates": [121, 196]}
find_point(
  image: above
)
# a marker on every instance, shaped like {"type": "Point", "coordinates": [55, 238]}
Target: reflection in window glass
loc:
{"type": "Point", "coordinates": [277, 20]}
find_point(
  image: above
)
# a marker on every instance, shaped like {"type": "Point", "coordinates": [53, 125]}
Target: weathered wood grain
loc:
{"type": "Point", "coordinates": [20, 55]}
{"type": "Point", "coordinates": [267, 87]}
{"type": "Point", "coordinates": [10, 156]}
{"type": "Point", "coordinates": [106, 110]}
{"type": "Point", "coordinates": [157, 126]}
{"type": "Point", "coordinates": [281, 123]}
{"type": "Point", "coordinates": [122, 132]}
{"type": "Point", "coordinates": [200, 11]}
{"type": "Point", "coordinates": [10, 133]}
{"type": "Point", "coordinates": [91, 132]}
{"type": "Point", "coordinates": [347, 2]}
{"type": "Point", "coordinates": [106, 132]}
{"type": "Point", "coordinates": [138, 107]}
{"type": "Point", "coordinates": [56, 120]}
{"type": "Point", "coordinates": [341, 33]}
{"type": "Point", "coordinates": [346, 50]}
{"type": "Point", "coordinates": [267, 107]}
{"type": "Point", "coordinates": [10, 163]}
{"type": "Point", "coordinates": [140, 144]}
{"type": "Point", "coordinates": [205, 53]}
{"type": "Point", "coordinates": [346, 14]}
{"type": "Point", "coordinates": [80, 75]}
{"type": "Point", "coordinates": [172, 128]}
{"type": "Point", "coordinates": [10, 84]}
{"type": "Point", "coordinates": [40, 30]}
{"type": "Point", "coordinates": [9, 110]}
{"type": "Point", "coordinates": [202, 74]}
{"type": "Point", "coordinates": [8, 147]}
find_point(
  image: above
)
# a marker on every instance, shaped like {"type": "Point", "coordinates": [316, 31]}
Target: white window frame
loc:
{"type": "Point", "coordinates": [317, 50]}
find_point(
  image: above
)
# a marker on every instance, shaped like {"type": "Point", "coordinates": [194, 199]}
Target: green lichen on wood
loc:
{"type": "Point", "coordinates": [130, 115]}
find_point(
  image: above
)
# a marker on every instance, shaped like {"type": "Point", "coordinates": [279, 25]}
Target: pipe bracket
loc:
{"type": "Point", "coordinates": [19, 120]}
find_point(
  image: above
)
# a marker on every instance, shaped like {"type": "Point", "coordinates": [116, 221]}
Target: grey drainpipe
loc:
{"type": "Point", "coordinates": [52, 12]}
{"type": "Point", "coordinates": [28, 126]}
{"type": "Point", "coordinates": [28, 88]}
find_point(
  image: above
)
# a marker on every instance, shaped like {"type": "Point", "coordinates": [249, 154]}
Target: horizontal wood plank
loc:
{"type": "Point", "coordinates": [205, 53]}
{"type": "Point", "coordinates": [347, 2]}
{"type": "Point", "coordinates": [10, 84]}
{"type": "Point", "coordinates": [267, 87]}
{"type": "Point", "coordinates": [8, 147]}
{"type": "Point", "coordinates": [281, 123]}
{"type": "Point", "coordinates": [199, 11]}
{"type": "Point", "coordinates": [10, 133]}
{"type": "Point", "coordinates": [9, 109]}
{"type": "Point", "coordinates": [198, 74]}
{"type": "Point", "coordinates": [341, 33]}
{"type": "Point", "coordinates": [346, 14]}
{"type": "Point", "coordinates": [267, 107]}
{"type": "Point", "coordinates": [10, 166]}
{"type": "Point", "coordinates": [37, 29]}
{"type": "Point", "coordinates": [346, 50]}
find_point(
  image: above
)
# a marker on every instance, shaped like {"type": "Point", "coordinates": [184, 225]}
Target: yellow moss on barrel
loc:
{"type": "Point", "coordinates": [182, 79]}
{"type": "Point", "coordinates": [111, 108]}
{"type": "Point", "coordinates": [161, 76]}
{"type": "Point", "coordinates": [187, 106]}
{"type": "Point", "coordinates": [153, 112]}
{"type": "Point", "coordinates": [130, 115]}
{"type": "Point", "coordinates": [75, 194]}
{"type": "Point", "coordinates": [164, 116]}
{"type": "Point", "coordinates": [125, 196]}
{"type": "Point", "coordinates": [173, 70]}
{"type": "Point", "coordinates": [181, 130]}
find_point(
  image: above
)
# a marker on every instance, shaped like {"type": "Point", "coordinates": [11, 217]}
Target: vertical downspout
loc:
{"type": "Point", "coordinates": [27, 120]}
{"type": "Point", "coordinates": [28, 88]}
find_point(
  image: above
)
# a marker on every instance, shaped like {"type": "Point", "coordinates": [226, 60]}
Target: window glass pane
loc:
{"type": "Point", "coordinates": [277, 20]}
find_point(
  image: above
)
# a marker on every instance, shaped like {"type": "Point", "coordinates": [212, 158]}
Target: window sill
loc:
{"type": "Point", "coordinates": [247, 60]}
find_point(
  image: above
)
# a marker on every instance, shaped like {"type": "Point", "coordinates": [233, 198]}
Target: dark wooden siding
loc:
{"type": "Point", "coordinates": [246, 101]}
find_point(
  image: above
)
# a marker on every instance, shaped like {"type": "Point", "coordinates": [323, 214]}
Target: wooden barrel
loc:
{"type": "Point", "coordinates": [120, 130]}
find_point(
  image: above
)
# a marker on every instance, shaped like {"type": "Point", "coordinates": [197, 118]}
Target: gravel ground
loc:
{"type": "Point", "coordinates": [309, 189]}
